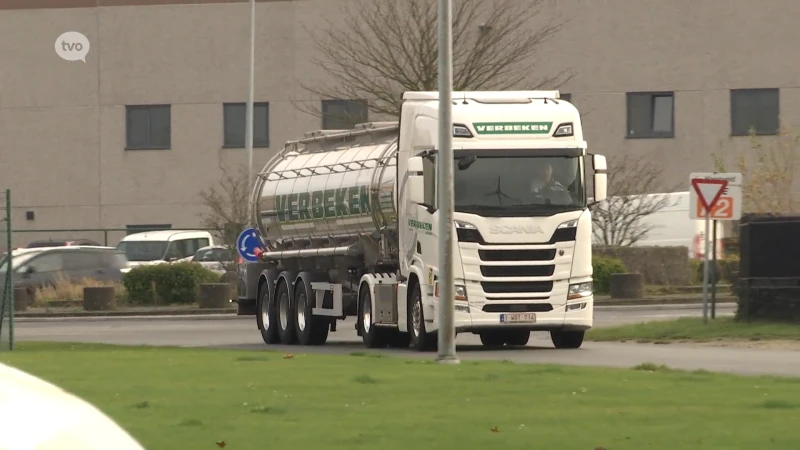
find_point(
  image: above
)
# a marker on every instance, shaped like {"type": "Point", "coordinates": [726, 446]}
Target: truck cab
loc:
{"type": "Point", "coordinates": [522, 228]}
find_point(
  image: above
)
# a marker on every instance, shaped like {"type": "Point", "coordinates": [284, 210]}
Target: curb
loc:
{"type": "Point", "coordinates": [227, 313]}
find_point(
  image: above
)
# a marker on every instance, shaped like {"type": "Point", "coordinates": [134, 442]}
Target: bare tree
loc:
{"type": "Point", "coordinates": [769, 170]}
{"type": "Point", "coordinates": [618, 221]}
{"type": "Point", "coordinates": [386, 47]}
{"type": "Point", "coordinates": [226, 206]}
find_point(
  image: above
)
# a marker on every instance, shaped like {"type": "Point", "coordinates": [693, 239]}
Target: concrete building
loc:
{"type": "Point", "coordinates": [130, 137]}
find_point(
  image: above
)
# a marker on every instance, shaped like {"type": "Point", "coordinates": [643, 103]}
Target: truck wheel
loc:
{"type": "Point", "coordinates": [373, 337]}
{"type": "Point", "coordinates": [311, 330]}
{"type": "Point", "coordinates": [421, 340]}
{"type": "Point", "coordinates": [518, 338]}
{"type": "Point", "coordinates": [266, 318]}
{"type": "Point", "coordinates": [567, 339]}
{"type": "Point", "coordinates": [285, 319]}
{"type": "Point", "coordinates": [493, 338]}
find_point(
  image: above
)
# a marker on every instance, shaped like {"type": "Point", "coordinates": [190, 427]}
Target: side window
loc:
{"type": "Point", "coordinates": [51, 262]}
{"type": "Point", "coordinates": [81, 260]}
{"type": "Point", "coordinates": [429, 175]}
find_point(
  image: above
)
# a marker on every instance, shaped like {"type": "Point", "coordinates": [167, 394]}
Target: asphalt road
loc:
{"type": "Point", "coordinates": [241, 332]}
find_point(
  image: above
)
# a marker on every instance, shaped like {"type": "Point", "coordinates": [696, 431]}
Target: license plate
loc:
{"type": "Point", "coordinates": [518, 318]}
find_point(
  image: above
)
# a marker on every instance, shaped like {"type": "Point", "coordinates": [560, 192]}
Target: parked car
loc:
{"type": "Point", "coordinates": [38, 267]}
{"type": "Point", "coordinates": [159, 247]}
{"type": "Point", "coordinates": [217, 258]}
{"type": "Point", "coordinates": [63, 243]}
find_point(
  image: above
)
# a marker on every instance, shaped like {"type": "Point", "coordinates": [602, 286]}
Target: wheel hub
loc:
{"type": "Point", "coordinates": [301, 312]}
{"type": "Point", "coordinates": [366, 315]}
{"type": "Point", "coordinates": [265, 315]}
{"type": "Point", "coordinates": [283, 311]}
{"type": "Point", "coordinates": [416, 318]}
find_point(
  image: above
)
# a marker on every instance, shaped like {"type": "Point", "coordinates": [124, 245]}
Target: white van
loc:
{"type": "Point", "coordinates": [671, 226]}
{"type": "Point", "coordinates": [158, 247]}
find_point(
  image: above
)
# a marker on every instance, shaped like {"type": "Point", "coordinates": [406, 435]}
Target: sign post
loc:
{"type": "Point", "coordinates": [714, 196]}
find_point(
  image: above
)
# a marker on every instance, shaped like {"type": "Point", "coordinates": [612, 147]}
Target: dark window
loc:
{"type": "Point", "coordinates": [48, 262]}
{"type": "Point", "coordinates": [235, 124]}
{"type": "Point", "coordinates": [343, 114]}
{"type": "Point", "coordinates": [79, 260]}
{"type": "Point", "coordinates": [567, 97]}
{"type": "Point", "coordinates": [651, 114]}
{"type": "Point", "coordinates": [132, 229]}
{"type": "Point", "coordinates": [755, 108]}
{"type": "Point", "coordinates": [148, 127]}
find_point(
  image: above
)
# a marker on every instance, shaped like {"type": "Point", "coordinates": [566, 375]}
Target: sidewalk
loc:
{"type": "Point", "coordinates": [192, 310]}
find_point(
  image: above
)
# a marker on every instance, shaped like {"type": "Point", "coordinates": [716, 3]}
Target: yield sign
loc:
{"type": "Point", "coordinates": [709, 191]}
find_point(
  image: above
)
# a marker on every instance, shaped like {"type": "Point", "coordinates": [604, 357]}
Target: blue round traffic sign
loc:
{"type": "Point", "coordinates": [247, 243]}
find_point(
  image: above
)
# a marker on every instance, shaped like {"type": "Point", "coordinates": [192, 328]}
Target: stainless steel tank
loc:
{"type": "Point", "coordinates": [339, 186]}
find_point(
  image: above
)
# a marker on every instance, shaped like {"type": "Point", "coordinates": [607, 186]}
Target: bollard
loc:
{"type": "Point", "coordinates": [215, 295]}
{"type": "Point", "coordinates": [22, 299]}
{"type": "Point", "coordinates": [627, 285]}
{"type": "Point", "coordinates": [99, 298]}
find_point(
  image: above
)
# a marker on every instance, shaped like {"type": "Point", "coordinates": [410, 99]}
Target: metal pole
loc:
{"type": "Point", "coordinates": [248, 133]}
{"type": "Point", "coordinates": [9, 284]}
{"type": "Point", "coordinates": [716, 270]}
{"type": "Point", "coordinates": [446, 311]}
{"type": "Point", "coordinates": [705, 271]}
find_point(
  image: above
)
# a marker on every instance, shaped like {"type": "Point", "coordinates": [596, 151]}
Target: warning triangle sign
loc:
{"type": "Point", "coordinates": [708, 191]}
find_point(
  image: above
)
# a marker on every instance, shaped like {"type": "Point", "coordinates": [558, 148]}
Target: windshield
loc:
{"type": "Point", "coordinates": [212, 254]}
{"type": "Point", "coordinates": [143, 250]}
{"type": "Point", "coordinates": [515, 185]}
{"type": "Point", "coordinates": [17, 261]}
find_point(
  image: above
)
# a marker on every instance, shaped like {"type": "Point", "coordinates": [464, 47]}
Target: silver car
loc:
{"type": "Point", "coordinates": [217, 258]}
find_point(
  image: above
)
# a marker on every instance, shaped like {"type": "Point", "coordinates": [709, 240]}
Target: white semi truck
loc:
{"type": "Point", "coordinates": [349, 218]}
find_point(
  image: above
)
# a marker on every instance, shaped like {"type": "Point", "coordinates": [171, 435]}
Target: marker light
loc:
{"type": "Point", "coordinates": [563, 130]}
{"type": "Point", "coordinates": [461, 131]}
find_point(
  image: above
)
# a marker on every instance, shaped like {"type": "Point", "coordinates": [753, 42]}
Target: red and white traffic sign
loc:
{"type": "Point", "coordinates": [717, 195]}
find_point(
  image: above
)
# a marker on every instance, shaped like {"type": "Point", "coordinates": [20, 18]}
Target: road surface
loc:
{"type": "Point", "coordinates": [241, 332]}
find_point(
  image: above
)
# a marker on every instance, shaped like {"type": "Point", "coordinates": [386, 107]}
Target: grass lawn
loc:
{"type": "Point", "coordinates": [693, 329]}
{"type": "Point", "coordinates": [180, 398]}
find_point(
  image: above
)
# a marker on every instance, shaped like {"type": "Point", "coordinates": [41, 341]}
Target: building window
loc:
{"type": "Point", "coordinates": [566, 96]}
{"type": "Point", "coordinates": [651, 115]}
{"type": "Point", "coordinates": [755, 108]}
{"type": "Point", "coordinates": [343, 114]}
{"type": "Point", "coordinates": [148, 127]}
{"type": "Point", "coordinates": [132, 229]}
{"type": "Point", "coordinates": [235, 124]}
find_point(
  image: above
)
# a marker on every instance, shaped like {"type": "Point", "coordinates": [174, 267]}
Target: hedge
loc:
{"type": "Point", "coordinates": [603, 267]}
{"type": "Point", "coordinates": [167, 283]}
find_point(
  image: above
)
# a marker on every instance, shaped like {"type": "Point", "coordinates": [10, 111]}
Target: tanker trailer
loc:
{"type": "Point", "coordinates": [348, 222]}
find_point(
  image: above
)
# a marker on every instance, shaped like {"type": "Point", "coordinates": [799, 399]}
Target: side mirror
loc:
{"type": "Point", "coordinates": [415, 165]}
{"type": "Point", "coordinates": [600, 178]}
{"type": "Point", "coordinates": [416, 189]}
{"type": "Point", "coordinates": [29, 270]}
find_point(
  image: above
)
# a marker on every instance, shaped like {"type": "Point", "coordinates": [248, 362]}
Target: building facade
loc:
{"type": "Point", "coordinates": [133, 134]}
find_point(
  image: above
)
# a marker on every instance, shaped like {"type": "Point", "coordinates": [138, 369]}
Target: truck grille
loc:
{"type": "Point", "coordinates": [518, 271]}
{"type": "Point", "coordinates": [516, 287]}
{"type": "Point", "coordinates": [517, 255]}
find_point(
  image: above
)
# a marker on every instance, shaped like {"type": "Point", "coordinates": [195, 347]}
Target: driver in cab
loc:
{"type": "Point", "coordinates": [543, 182]}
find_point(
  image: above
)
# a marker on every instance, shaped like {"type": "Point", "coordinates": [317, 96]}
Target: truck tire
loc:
{"type": "Point", "coordinates": [493, 338]}
{"type": "Point", "coordinates": [421, 340]}
{"type": "Point", "coordinates": [285, 314]}
{"type": "Point", "coordinates": [311, 330]}
{"type": "Point", "coordinates": [567, 339]}
{"type": "Point", "coordinates": [373, 337]}
{"type": "Point", "coordinates": [267, 318]}
{"type": "Point", "coordinates": [517, 338]}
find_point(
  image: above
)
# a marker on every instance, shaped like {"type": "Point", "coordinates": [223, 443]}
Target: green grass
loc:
{"type": "Point", "coordinates": [693, 329]}
{"type": "Point", "coordinates": [181, 398]}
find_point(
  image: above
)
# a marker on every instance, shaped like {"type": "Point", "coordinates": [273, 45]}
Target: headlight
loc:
{"type": "Point", "coordinates": [579, 290]}
{"type": "Point", "coordinates": [569, 224]}
{"type": "Point", "coordinates": [460, 292]}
